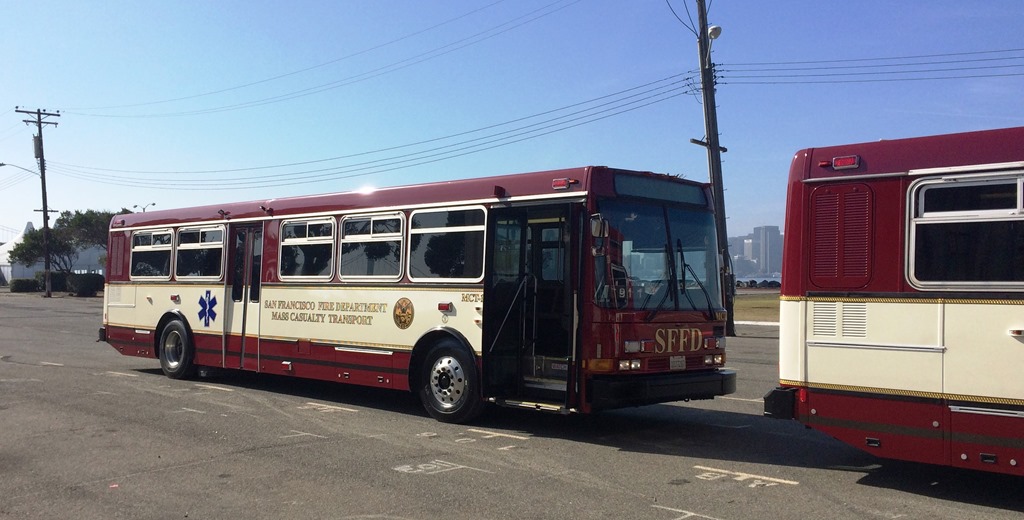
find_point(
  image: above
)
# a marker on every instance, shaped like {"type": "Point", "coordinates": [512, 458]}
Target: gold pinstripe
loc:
{"type": "Point", "coordinates": [932, 301]}
{"type": "Point", "coordinates": [471, 287]}
{"type": "Point", "coordinates": [905, 393]}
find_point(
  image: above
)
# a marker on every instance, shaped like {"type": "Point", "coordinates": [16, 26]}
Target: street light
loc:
{"type": "Point", "coordinates": [144, 207]}
{"type": "Point", "coordinates": [20, 168]}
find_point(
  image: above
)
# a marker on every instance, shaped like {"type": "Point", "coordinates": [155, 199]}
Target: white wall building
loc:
{"type": "Point", "coordinates": [89, 261]}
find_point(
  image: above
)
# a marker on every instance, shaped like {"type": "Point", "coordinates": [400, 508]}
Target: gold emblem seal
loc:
{"type": "Point", "coordinates": [403, 313]}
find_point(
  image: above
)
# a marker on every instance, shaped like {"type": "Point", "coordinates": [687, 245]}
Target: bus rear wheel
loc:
{"type": "Point", "coordinates": [176, 352]}
{"type": "Point", "coordinates": [449, 384]}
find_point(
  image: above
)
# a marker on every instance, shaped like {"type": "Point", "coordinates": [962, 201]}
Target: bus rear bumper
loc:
{"type": "Point", "coordinates": [620, 391]}
{"type": "Point", "coordinates": [780, 403]}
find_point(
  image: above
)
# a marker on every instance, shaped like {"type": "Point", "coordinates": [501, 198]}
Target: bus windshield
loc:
{"type": "Point", "coordinates": [658, 257]}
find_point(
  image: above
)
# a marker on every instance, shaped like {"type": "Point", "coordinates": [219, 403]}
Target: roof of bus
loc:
{"type": "Point", "coordinates": [1004, 145]}
{"type": "Point", "coordinates": [475, 190]}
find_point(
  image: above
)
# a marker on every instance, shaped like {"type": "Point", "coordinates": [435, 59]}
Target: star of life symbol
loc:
{"type": "Point", "coordinates": [206, 312]}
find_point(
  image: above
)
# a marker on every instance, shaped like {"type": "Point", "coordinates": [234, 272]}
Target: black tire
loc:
{"type": "Point", "coordinates": [176, 351]}
{"type": "Point", "coordinates": [450, 384]}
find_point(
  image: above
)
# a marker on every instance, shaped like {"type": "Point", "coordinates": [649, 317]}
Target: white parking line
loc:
{"type": "Point", "coordinates": [491, 435]}
{"type": "Point", "coordinates": [745, 476]}
{"type": "Point", "coordinates": [120, 374]}
{"type": "Point", "coordinates": [741, 399]}
{"type": "Point", "coordinates": [686, 514]}
{"type": "Point", "coordinates": [214, 387]}
{"type": "Point", "coordinates": [297, 433]}
{"type": "Point", "coordinates": [326, 408]}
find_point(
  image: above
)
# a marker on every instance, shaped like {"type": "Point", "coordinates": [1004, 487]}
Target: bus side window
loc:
{"type": "Point", "coordinates": [151, 254]}
{"type": "Point", "coordinates": [307, 249]}
{"type": "Point", "coordinates": [200, 252]}
{"type": "Point", "coordinates": [371, 246]}
{"type": "Point", "coordinates": [447, 244]}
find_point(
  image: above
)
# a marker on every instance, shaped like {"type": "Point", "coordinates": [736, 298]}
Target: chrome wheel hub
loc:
{"type": "Point", "coordinates": [447, 381]}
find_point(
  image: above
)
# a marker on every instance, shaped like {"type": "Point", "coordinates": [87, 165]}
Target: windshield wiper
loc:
{"type": "Point", "coordinates": [674, 282]}
{"type": "Point", "coordinates": [687, 268]}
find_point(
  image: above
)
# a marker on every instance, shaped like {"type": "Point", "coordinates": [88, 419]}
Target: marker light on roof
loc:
{"type": "Point", "coordinates": [563, 184]}
{"type": "Point", "coordinates": [845, 163]}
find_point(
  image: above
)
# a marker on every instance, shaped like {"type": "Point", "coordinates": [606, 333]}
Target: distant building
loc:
{"type": "Point", "coordinates": [89, 261]}
{"type": "Point", "coordinates": [767, 243]}
{"type": "Point", "coordinates": [757, 254]}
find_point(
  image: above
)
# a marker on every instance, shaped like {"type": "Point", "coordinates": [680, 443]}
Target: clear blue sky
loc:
{"type": "Point", "coordinates": [197, 102]}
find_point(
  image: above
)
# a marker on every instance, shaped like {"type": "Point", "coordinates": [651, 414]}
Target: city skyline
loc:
{"type": "Point", "coordinates": [758, 253]}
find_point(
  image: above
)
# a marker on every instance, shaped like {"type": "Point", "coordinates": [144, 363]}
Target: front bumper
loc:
{"type": "Point", "coordinates": [635, 390]}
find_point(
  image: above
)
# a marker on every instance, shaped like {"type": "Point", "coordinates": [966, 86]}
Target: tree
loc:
{"type": "Point", "coordinates": [71, 233]}
{"type": "Point", "coordinates": [63, 253]}
{"type": "Point", "coordinates": [90, 227]}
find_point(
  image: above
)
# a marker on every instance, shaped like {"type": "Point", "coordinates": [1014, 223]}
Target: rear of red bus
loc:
{"type": "Point", "coordinates": [901, 297]}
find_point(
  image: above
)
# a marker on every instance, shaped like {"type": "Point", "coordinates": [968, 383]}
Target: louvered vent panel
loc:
{"type": "Point", "coordinates": [856, 238]}
{"type": "Point", "coordinates": [825, 319]}
{"type": "Point", "coordinates": [825, 242]}
{"type": "Point", "coordinates": [840, 248]}
{"type": "Point", "coordinates": [117, 253]}
{"type": "Point", "coordinates": [855, 320]}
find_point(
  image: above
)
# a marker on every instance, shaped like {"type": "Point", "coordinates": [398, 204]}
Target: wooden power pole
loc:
{"type": "Point", "coordinates": [705, 34]}
{"type": "Point", "coordinates": [37, 141]}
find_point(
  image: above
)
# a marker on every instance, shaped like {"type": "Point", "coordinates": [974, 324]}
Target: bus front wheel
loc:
{"type": "Point", "coordinates": [176, 352]}
{"type": "Point", "coordinates": [449, 382]}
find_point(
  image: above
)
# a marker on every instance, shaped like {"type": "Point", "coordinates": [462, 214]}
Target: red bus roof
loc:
{"type": "Point", "coordinates": [477, 189]}
{"type": "Point", "coordinates": [901, 155]}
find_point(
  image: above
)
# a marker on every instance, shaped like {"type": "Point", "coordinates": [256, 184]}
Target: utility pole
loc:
{"type": "Point", "coordinates": [37, 141]}
{"type": "Point", "coordinates": [705, 34]}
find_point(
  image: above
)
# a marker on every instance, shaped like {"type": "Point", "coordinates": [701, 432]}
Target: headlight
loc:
{"type": "Point", "coordinates": [714, 360]}
{"type": "Point", "coordinates": [629, 364]}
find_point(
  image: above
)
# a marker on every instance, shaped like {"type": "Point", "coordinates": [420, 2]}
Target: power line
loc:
{"type": "Point", "coordinates": [881, 58]}
{"type": "Point", "coordinates": [618, 102]}
{"type": "Point", "coordinates": [14, 179]}
{"type": "Point", "coordinates": [402, 161]}
{"type": "Point", "coordinates": [380, 71]}
{"type": "Point", "coordinates": [874, 73]}
{"type": "Point", "coordinates": [13, 132]}
{"type": "Point", "coordinates": [607, 100]}
{"type": "Point", "coordinates": [872, 80]}
{"type": "Point", "coordinates": [874, 66]}
{"type": "Point", "coordinates": [674, 13]}
{"type": "Point", "coordinates": [931, 67]}
{"type": "Point", "coordinates": [299, 71]}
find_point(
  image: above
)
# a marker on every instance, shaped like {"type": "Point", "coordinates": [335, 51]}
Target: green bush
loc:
{"type": "Point", "coordinates": [85, 284]}
{"type": "Point", "coordinates": [58, 281]}
{"type": "Point", "coordinates": [24, 285]}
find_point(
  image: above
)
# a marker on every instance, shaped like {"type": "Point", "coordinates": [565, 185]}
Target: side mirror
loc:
{"type": "Point", "coordinates": [598, 230]}
{"type": "Point", "coordinates": [598, 226]}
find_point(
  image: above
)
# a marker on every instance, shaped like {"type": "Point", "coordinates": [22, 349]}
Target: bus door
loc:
{"type": "Point", "coordinates": [242, 324]}
{"type": "Point", "coordinates": [528, 317]}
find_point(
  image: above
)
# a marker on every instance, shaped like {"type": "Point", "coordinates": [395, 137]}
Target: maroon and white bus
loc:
{"type": "Point", "coordinates": [566, 291]}
{"type": "Point", "coordinates": [902, 312]}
